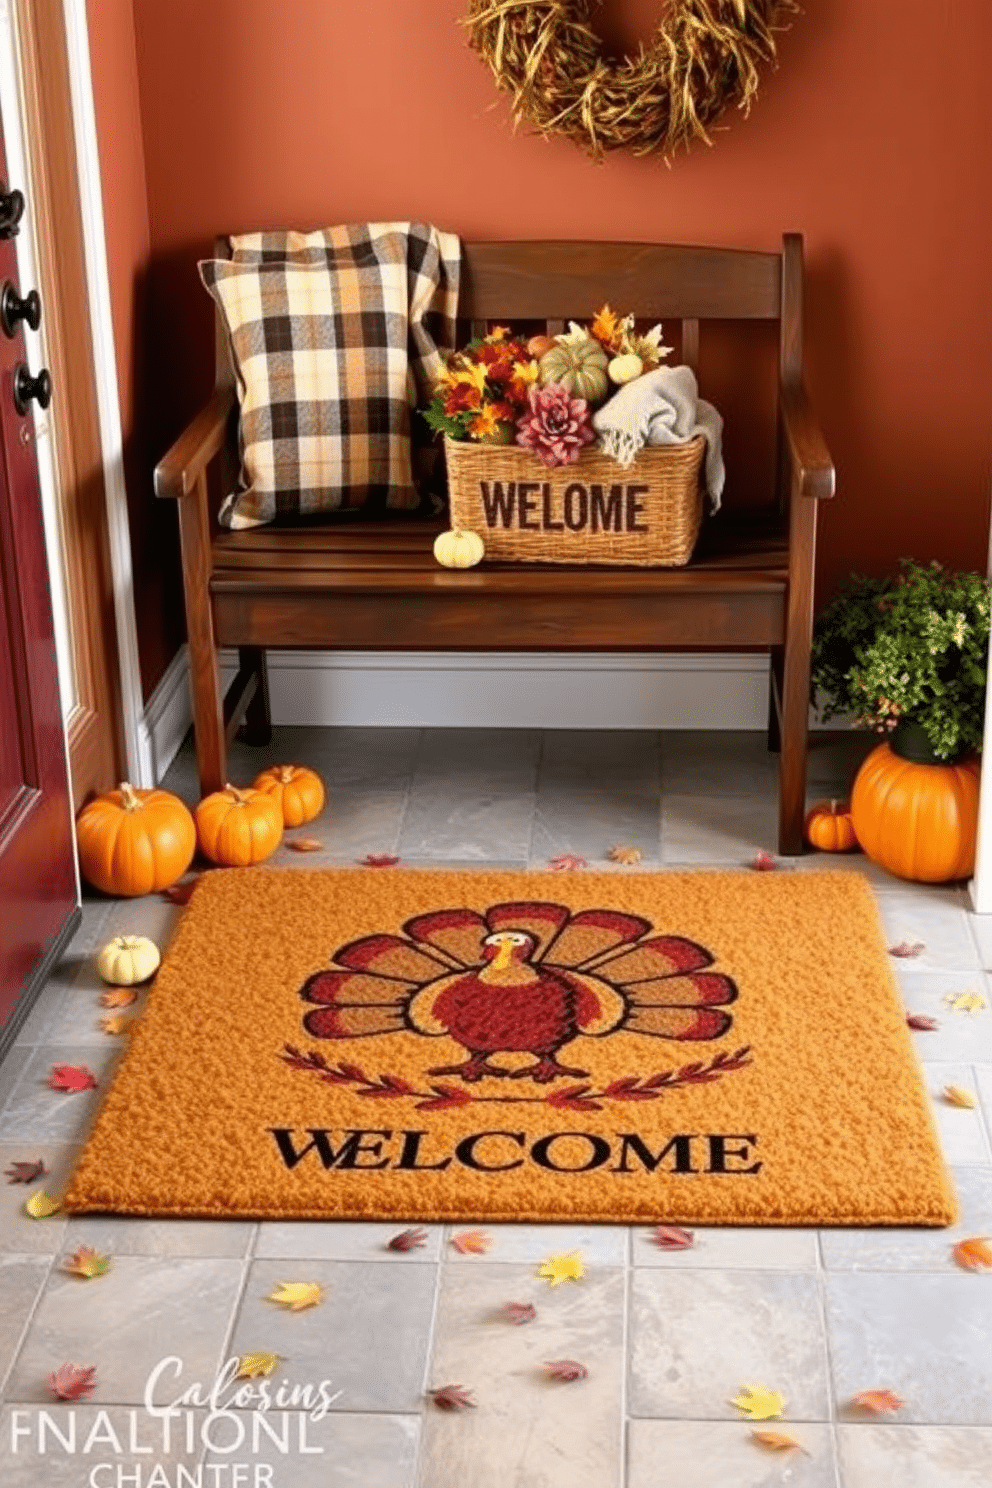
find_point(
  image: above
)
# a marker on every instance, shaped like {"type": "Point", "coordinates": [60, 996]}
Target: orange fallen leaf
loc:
{"type": "Point", "coordinates": [673, 1237]}
{"type": "Point", "coordinates": [297, 1295]}
{"type": "Point", "coordinates": [72, 1381]}
{"type": "Point", "coordinates": [407, 1240]}
{"type": "Point", "coordinates": [87, 1262]}
{"type": "Point", "coordinates": [566, 1370]}
{"type": "Point", "coordinates": [118, 1023]}
{"type": "Point", "coordinates": [452, 1398]}
{"type": "Point", "coordinates": [118, 997]}
{"type": "Point", "coordinates": [567, 862]}
{"type": "Point", "coordinates": [306, 844]}
{"type": "Point", "coordinates": [778, 1441]}
{"type": "Point", "coordinates": [881, 1402]}
{"type": "Point", "coordinates": [955, 1096]}
{"type": "Point", "coordinates": [974, 1254]}
{"type": "Point", "coordinates": [472, 1242]}
{"type": "Point", "coordinates": [71, 1077]}
{"type": "Point", "coordinates": [624, 854]}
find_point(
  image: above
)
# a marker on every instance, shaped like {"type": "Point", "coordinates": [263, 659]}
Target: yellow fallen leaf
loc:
{"type": "Point", "coordinates": [777, 1441]}
{"type": "Point", "coordinates": [559, 1268]}
{"type": "Point", "coordinates": [256, 1366]}
{"type": "Point", "coordinates": [297, 1295]}
{"type": "Point", "coordinates": [759, 1403]}
{"type": "Point", "coordinates": [41, 1205]}
{"type": "Point", "coordinates": [966, 1002]}
{"type": "Point", "coordinates": [117, 1024]}
{"type": "Point", "coordinates": [624, 854]}
{"type": "Point", "coordinates": [87, 1262]}
{"type": "Point", "coordinates": [958, 1097]}
{"type": "Point", "coordinates": [974, 1254]}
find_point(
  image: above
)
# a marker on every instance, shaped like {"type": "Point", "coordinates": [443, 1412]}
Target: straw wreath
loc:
{"type": "Point", "coordinates": [703, 57]}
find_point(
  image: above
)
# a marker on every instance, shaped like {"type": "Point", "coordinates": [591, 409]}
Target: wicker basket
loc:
{"type": "Point", "coordinates": [591, 512]}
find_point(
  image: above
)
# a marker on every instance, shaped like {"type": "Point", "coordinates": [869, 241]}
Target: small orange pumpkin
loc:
{"type": "Point", "coordinates": [238, 827]}
{"type": "Point", "coordinates": [918, 821]}
{"type": "Point", "coordinates": [135, 842]}
{"type": "Point", "coordinates": [298, 791]}
{"type": "Point", "coordinates": [829, 826]}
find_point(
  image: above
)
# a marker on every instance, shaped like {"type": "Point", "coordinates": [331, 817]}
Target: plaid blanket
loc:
{"type": "Point", "coordinates": [335, 336]}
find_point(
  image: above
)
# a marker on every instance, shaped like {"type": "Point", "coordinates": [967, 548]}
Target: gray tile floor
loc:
{"type": "Point", "coordinates": [669, 1338]}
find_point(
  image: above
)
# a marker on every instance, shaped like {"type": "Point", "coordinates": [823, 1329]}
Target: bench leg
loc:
{"type": "Point", "coordinates": [257, 727]}
{"type": "Point", "coordinates": [208, 713]}
{"type": "Point", "coordinates": [795, 679]}
{"type": "Point", "coordinates": [775, 673]}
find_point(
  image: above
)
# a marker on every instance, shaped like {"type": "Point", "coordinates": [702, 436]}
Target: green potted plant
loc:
{"type": "Point", "coordinates": [907, 656]}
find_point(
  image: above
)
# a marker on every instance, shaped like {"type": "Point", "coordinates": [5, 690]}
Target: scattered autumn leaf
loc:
{"type": "Point", "coordinates": [87, 1262]}
{"type": "Point", "coordinates": [25, 1172]}
{"type": "Point", "coordinates": [966, 1002]}
{"type": "Point", "coordinates": [41, 1205]}
{"type": "Point", "coordinates": [907, 949]}
{"type": "Point", "coordinates": [306, 844]}
{"type": "Point", "coordinates": [673, 1237]}
{"type": "Point", "coordinates": [624, 854]}
{"type": "Point", "coordinates": [407, 1240]}
{"type": "Point", "coordinates": [974, 1254]}
{"type": "Point", "coordinates": [559, 1268]}
{"type": "Point", "coordinates": [256, 1366]}
{"type": "Point", "coordinates": [777, 1441]}
{"type": "Point", "coordinates": [118, 997]}
{"type": "Point", "coordinates": [764, 861]}
{"type": "Point", "coordinates": [182, 892]}
{"type": "Point", "coordinates": [117, 1024]}
{"type": "Point", "coordinates": [452, 1398]}
{"type": "Point", "coordinates": [880, 1402]}
{"type": "Point", "coordinates": [297, 1295]}
{"type": "Point", "coordinates": [922, 1022]}
{"type": "Point", "coordinates": [380, 860]}
{"type": "Point", "coordinates": [71, 1077]}
{"type": "Point", "coordinates": [759, 1403]}
{"type": "Point", "coordinates": [70, 1382]}
{"type": "Point", "coordinates": [955, 1096]}
{"type": "Point", "coordinates": [566, 1370]}
{"type": "Point", "coordinates": [519, 1312]}
{"type": "Point", "coordinates": [472, 1242]}
{"type": "Point", "coordinates": [567, 862]}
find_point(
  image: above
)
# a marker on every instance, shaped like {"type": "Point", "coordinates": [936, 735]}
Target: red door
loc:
{"type": "Point", "coordinates": [37, 870]}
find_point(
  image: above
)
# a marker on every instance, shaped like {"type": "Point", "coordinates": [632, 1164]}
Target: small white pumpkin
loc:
{"type": "Point", "coordinates": [127, 960]}
{"type": "Point", "coordinates": [625, 368]}
{"type": "Point", "coordinates": [459, 548]}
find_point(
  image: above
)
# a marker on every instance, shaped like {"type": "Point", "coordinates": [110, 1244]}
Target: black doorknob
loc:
{"type": "Point", "coordinates": [11, 212]}
{"type": "Point", "coordinates": [27, 387]}
{"type": "Point", "coordinates": [13, 309]}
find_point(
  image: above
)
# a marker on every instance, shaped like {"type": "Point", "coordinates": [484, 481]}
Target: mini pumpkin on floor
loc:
{"type": "Point", "coordinates": [237, 828]}
{"type": "Point", "coordinates": [297, 790]}
{"type": "Point", "coordinates": [829, 827]}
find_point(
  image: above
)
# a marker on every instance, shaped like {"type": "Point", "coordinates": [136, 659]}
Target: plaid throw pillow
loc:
{"type": "Point", "coordinates": [335, 336]}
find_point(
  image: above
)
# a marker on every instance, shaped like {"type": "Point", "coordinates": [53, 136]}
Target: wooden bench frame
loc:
{"type": "Point", "coordinates": [361, 585]}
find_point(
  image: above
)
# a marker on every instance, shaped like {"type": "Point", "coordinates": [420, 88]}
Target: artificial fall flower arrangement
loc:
{"type": "Point", "coordinates": [540, 393]}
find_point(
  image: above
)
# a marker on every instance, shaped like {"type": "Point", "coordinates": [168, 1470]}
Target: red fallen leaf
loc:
{"type": "Point", "coordinates": [567, 862]}
{"type": "Point", "coordinates": [25, 1172]}
{"type": "Point", "coordinates": [71, 1382]}
{"type": "Point", "coordinates": [881, 1402]}
{"type": "Point", "coordinates": [922, 1022]}
{"type": "Point", "coordinates": [673, 1237]}
{"type": "Point", "coordinates": [71, 1077]}
{"type": "Point", "coordinates": [519, 1312]}
{"type": "Point", "coordinates": [380, 860]}
{"type": "Point", "coordinates": [182, 892]}
{"type": "Point", "coordinates": [452, 1398]}
{"type": "Point", "coordinates": [764, 861]}
{"type": "Point", "coordinates": [471, 1242]}
{"type": "Point", "coordinates": [407, 1240]}
{"type": "Point", "coordinates": [974, 1254]}
{"type": "Point", "coordinates": [566, 1370]}
{"type": "Point", "coordinates": [907, 949]}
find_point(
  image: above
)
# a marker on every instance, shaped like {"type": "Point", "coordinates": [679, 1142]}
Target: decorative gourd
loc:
{"type": "Point", "coordinates": [625, 368]}
{"type": "Point", "coordinates": [829, 826]}
{"type": "Point", "coordinates": [238, 827]}
{"type": "Point", "coordinates": [459, 548]}
{"type": "Point", "coordinates": [918, 821]}
{"type": "Point", "coordinates": [135, 842]}
{"type": "Point", "coordinates": [127, 960]}
{"type": "Point", "coordinates": [580, 366]}
{"type": "Point", "coordinates": [299, 792]}
{"type": "Point", "coordinates": [538, 345]}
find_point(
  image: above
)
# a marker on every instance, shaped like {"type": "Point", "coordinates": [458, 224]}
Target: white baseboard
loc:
{"type": "Point", "coordinates": [480, 690]}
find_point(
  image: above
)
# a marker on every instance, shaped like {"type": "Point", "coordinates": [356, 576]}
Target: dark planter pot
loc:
{"type": "Point", "coordinates": [910, 741]}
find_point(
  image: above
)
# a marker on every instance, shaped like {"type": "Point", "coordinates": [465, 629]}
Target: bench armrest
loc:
{"type": "Point", "coordinates": [812, 467]}
{"type": "Point", "coordinates": [178, 471]}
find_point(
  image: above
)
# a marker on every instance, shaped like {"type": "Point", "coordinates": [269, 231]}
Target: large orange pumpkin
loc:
{"type": "Point", "coordinates": [135, 842]}
{"type": "Point", "coordinates": [299, 792]}
{"type": "Point", "coordinates": [918, 821]}
{"type": "Point", "coordinates": [238, 827]}
{"type": "Point", "coordinates": [829, 826]}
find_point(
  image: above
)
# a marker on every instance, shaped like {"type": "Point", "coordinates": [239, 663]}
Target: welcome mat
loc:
{"type": "Point", "coordinates": [708, 1048]}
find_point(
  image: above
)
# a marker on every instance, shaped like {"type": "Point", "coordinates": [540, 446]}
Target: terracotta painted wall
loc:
{"type": "Point", "coordinates": [312, 111]}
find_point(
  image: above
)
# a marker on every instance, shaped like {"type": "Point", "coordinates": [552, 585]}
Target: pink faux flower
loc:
{"type": "Point", "coordinates": [557, 425]}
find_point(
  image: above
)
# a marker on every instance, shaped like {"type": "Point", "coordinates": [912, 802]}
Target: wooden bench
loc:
{"type": "Point", "coordinates": [374, 585]}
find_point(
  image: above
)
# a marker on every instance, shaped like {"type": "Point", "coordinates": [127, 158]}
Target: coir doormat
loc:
{"type": "Point", "coordinates": [710, 1048]}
